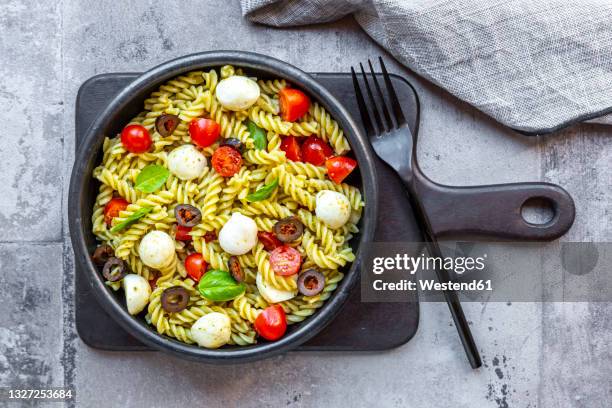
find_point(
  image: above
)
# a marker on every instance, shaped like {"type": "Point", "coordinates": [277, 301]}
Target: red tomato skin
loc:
{"type": "Point", "coordinates": [195, 266]}
{"type": "Point", "coordinates": [204, 132]}
{"type": "Point", "coordinates": [339, 167]}
{"type": "Point", "coordinates": [136, 139]}
{"type": "Point", "coordinates": [293, 104]}
{"type": "Point", "coordinates": [269, 240]}
{"type": "Point", "coordinates": [182, 233]}
{"type": "Point", "coordinates": [271, 324]}
{"type": "Point", "coordinates": [285, 260]}
{"type": "Point", "coordinates": [113, 208]}
{"type": "Point", "coordinates": [316, 151]}
{"type": "Point", "coordinates": [226, 161]}
{"type": "Point", "coordinates": [291, 147]}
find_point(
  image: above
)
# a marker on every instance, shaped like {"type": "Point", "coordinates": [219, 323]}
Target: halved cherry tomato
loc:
{"type": "Point", "coordinates": [226, 161]}
{"type": "Point", "coordinates": [271, 324]}
{"type": "Point", "coordinates": [204, 132]}
{"type": "Point", "coordinates": [339, 167]}
{"type": "Point", "coordinates": [291, 147]}
{"type": "Point", "coordinates": [269, 240]}
{"type": "Point", "coordinates": [285, 260]}
{"type": "Point", "coordinates": [113, 208]}
{"type": "Point", "coordinates": [195, 266]}
{"type": "Point", "coordinates": [136, 139]}
{"type": "Point", "coordinates": [316, 151]}
{"type": "Point", "coordinates": [182, 233]}
{"type": "Point", "coordinates": [293, 104]}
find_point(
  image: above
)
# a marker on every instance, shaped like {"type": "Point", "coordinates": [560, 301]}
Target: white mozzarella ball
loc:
{"type": "Point", "coordinates": [239, 235]}
{"type": "Point", "coordinates": [212, 330]}
{"type": "Point", "coordinates": [271, 294]}
{"type": "Point", "coordinates": [156, 249]}
{"type": "Point", "coordinates": [186, 162]}
{"type": "Point", "coordinates": [333, 208]}
{"type": "Point", "coordinates": [137, 292]}
{"type": "Point", "coordinates": [237, 92]}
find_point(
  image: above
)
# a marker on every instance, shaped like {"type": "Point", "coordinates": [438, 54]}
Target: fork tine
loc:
{"type": "Point", "coordinates": [363, 109]}
{"type": "Point", "coordinates": [384, 107]}
{"type": "Point", "coordinates": [377, 118]}
{"type": "Point", "coordinates": [397, 109]}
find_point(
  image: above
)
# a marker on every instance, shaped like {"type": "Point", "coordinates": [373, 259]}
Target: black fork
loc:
{"type": "Point", "coordinates": [393, 142]}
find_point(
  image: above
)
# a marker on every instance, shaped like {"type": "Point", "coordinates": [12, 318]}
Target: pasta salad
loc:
{"type": "Point", "coordinates": [222, 210]}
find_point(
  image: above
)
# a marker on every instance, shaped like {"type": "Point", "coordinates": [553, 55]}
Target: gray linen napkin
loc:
{"type": "Point", "coordinates": [534, 66]}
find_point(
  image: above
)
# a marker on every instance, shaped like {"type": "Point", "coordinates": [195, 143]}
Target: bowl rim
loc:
{"type": "Point", "coordinates": [88, 152]}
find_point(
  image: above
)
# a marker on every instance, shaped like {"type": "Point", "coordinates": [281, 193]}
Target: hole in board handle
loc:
{"type": "Point", "coordinates": [538, 210]}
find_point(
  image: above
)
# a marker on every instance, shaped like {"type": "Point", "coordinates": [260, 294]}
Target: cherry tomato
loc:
{"type": "Point", "coordinates": [136, 139]}
{"type": "Point", "coordinates": [271, 324]}
{"type": "Point", "coordinates": [182, 233]}
{"type": "Point", "coordinates": [339, 167]}
{"type": "Point", "coordinates": [291, 147]}
{"type": "Point", "coordinates": [268, 240]}
{"type": "Point", "coordinates": [226, 161]}
{"type": "Point", "coordinates": [285, 260]}
{"type": "Point", "coordinates": [316, 151]}
{"type": "Point", "coordinates": [113, 208]}
{"type": "Point", "coordinates": [293, 104]}
{"type": "Point", "coordinates": [204, 132]}
{"type": "Point", "coordinates": [195, 266]}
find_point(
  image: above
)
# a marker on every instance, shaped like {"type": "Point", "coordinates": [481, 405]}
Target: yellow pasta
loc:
{"type": "Point", "coordinates": [330, 130]}
{"type": "Point", "coordinates": [217, 199]}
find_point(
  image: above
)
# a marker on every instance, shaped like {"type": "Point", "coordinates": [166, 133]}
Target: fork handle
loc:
{"type": "Point", "coordinates": [494, 210]}
{"type": "Point", "coordinates": [450, 296]}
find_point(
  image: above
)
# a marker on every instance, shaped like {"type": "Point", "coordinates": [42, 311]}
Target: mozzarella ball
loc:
{"type": "Point", "coordinates": [186, 162]}
{"type": "Point", "coordinates": [237, 92]}
{"type": "Point", "coordinates": [239, 235]}
{"type": "Point", "coordinates": [156, 249]}
{"type": "Point", "coordinates": [137, 292]}
{"type": "Point", "coordinates": [270, 293]}
{"type": "Point", "coordinates": [212, 330]}
{"type": "Point", "coordinates": [333, 208]}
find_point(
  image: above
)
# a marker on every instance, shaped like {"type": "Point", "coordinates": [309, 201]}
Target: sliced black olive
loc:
{"type": "Point", "coordinates": [288, 229]}
{"type": "Point", "coordinates": [114, 269]}
{"type": "Point", "coordinates": [101, 254]}
{"type": "Point", "coordinates": [235, 269]}
{"type": "Point", "coordinates": [165, 124]}
{"type": "Point", "coordinates": [187, 215]}
{"type": "Point", "coordinates": [311, 282]}
{"type": "Point", "coordinates": [174, 299]}
{"type": "Point", "coordinates": [234, 143]}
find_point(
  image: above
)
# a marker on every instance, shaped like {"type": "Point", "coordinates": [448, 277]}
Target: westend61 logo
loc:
{"type": "Point", "coordinates": [411, 264]}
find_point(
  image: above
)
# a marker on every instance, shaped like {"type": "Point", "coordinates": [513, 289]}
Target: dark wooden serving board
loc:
{"type": "Point", "coordinates": [359, 326]}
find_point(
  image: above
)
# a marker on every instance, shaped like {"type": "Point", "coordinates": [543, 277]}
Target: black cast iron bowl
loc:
{"type": "Point", "coordinates": [83, 190]}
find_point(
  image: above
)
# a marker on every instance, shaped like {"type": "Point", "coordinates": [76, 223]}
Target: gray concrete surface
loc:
{"type": "Point", "coordinates": [536, 355]}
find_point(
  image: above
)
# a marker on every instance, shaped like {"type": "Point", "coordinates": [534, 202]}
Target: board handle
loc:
{"type": "Point", "coordinates": [494, 210]}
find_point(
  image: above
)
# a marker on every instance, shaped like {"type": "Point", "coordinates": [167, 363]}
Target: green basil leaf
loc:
{"type": "Point", "coordinates": [259, 136]}
{"type": "Point", "coordinates": [151, 178]}
{"type": "Point", "coordinates": [220, 286]}
{"type": "Point", "coordinates": [132, 218]}
{"type": "Point", "coordinates": [263, 192]}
